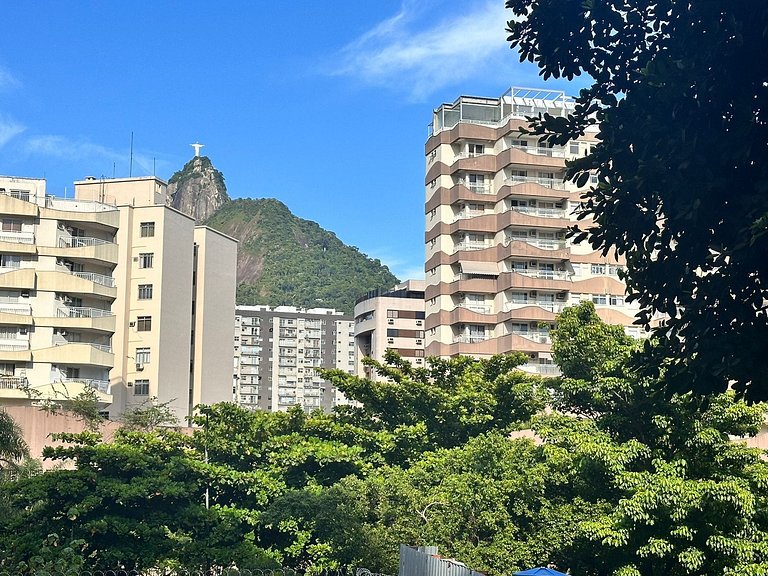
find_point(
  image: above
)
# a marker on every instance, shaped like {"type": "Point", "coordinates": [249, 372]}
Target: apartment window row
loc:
{"type": "Point", "coordinates": [145, 291]}
{"type": "Point", "coordinates": [146, 259]}
{"type": "Point", "coordinates": [144, 323]}
{"type": "Point", "coordinates": [143, 356]}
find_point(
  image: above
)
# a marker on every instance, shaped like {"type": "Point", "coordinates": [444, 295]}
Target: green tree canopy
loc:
{"type": "Point", "coordinates": [680, 101]}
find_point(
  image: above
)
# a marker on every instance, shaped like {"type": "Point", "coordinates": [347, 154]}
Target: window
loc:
{"type": "Point", "coordinates": [392, 332]}
{"type": "Point", "coordinates": [597, 268]}
{"type": "Point", "coordinates": [146, 259]}
{"type": "Point", "coordinates": [144, 323]}
{"type": "Point", "coordinates": [617, 300]}
{"type": "Point", "coordinates": [574, 147]}
{"type": "Point", "coordinates": [392, 313]}
{"type": "Point", "coordinates": [11, 225]}
{"type": "Point", "coordinates": [147, 229]}
{"type": "Point", "coordinates": [7, 369]}
{"type": "Point", "coordinates": [476, 149]}
{"type": "Point", "coordinates": [145, 291]}
{"type": "Point", "coordinates": [599, 299]}
{"type": "Point", "coordinates": [142, 355]}
{"type": "Point", "coordinates": [10, 261]}
{"type": "Point", "coordinates": [141, 388]}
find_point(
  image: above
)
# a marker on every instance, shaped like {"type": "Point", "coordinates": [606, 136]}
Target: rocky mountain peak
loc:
{"type": "Point", "coordinates": [198, 189]}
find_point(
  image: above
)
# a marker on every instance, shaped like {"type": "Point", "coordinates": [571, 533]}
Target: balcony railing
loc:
{"type": "Point", "coordinates": [8, 346]}
{"type": "Point", "coordinates": [545, 274]}
{"type": "Point", "coordinates": [82, 312]}
{"type": "Point", "coordinates": [468, 214]}
{"type": "Point", "coordinates": [557, 152]}
{"type": "Point", "coordinates": [540, 336]}
{"type": "Point", "coordinates": [20, 195]}
{"type": "Point", "coordinates": [81, 242]}
{"type": "Point", "coordinates": [467, 339]}
{"type": "Point", "coordinates": [542, 369]}
{"type": "Point", "coordinates": [541, 212]}
{"type": "Point", "coordinates": [20, 309]}
{"type": "Point", "coordinates": [18, 237]}
{"type": "Point", "coordinates": [100, 279]}
{"type": "Point", "coordinates": [546, 182]}
{"type": "Point", "coordinates": [480, 309]}
{"type": "Point", "coordinates": [471, 246]}
{"type": "Point", "coordinates": [103, 347]}
{"type": "Point", "coordinates": [546, 305]}
{"type": "Point", "coordinates": [100, 385]}
{"type": "Point", "coordinates": [543, 243]}
{"type": "Point", "coordinates": [13, 382]}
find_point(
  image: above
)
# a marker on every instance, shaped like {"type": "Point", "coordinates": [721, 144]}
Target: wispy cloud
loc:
{"type": "Point", "coordinates": [400, 265]}
{"type": "Point", "coordinates": [73, 150]}
{"type": "Point", "coordinates": [9, 129]}
{"type": "Point", "coordinates": [414, 51]}
{"type": "Point", "coordinates": [8, 80]}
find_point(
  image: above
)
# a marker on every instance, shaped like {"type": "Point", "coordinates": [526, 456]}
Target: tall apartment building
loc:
{"type": "Point", "coordinates": [390, 319]}
{"type": "Point", "coordinates": [114, 290]}
{"type": "Point", "coordinates": [277, 351]}
{"type": "Point", "coordinates": [498, 265]}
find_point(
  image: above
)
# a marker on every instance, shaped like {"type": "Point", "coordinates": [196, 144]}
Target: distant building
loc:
{"type": "Point", "coordinates": [114, 290]}
{"type": "Point", "coordinates": [277, 351]}
{"type": "Point", "coordinates": [391, 319]}
{"type": "Point", "coordinates": [498, 265]}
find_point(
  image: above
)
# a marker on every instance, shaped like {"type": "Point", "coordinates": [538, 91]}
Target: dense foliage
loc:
{"type": "Point", "coordinates": [618, 477]}
{"type": "Point", "coordinates": [680, 101]}
{"type": "Point", "coordinates": [284, 259]}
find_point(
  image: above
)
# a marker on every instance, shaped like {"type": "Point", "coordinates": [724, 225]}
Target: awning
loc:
{"type": "Point", "coordinates": [480, 268]}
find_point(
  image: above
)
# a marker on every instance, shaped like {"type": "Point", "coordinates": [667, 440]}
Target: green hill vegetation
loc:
{"type": "Point", "coordinates": [284, 259]}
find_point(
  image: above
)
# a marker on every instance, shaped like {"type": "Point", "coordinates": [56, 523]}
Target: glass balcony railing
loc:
{"type": "Point", "coordinates": [540, 212]}
{"type": "Point", "coordinates": [556, 152]}
{"type": "Point", "coordinates": [17, 237]}
{"type": "Point", "coordinates": [543, 243]}
{"type": "Point", "coordinates": [546, 182]}
{"type": "Point", "coordinates": [470, 339]}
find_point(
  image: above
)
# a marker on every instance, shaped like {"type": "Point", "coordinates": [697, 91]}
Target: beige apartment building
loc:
{"type": "Point", "coordinates": [277, 350]}
{"type": "Point", "coordinates": [390, 319]}
{"type": "Point", "coordinates": [114, 290]}
{"type": "Point", "coordinates": [498, 264]}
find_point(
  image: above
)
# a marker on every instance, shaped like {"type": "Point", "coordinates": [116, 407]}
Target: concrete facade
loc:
{"type": "Point", "coordinates": [276, 353]}
{"type": "Point", "coordinates": [391, 319]}
{"type": "Point", "coordinates": [102, 287]}
{"type": "Point", "coordinates": [498, 264]}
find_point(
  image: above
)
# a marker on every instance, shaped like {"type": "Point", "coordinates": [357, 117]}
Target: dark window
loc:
{"type": "Point", "coordinates": [392, 332]}
{"type": "Point", "coordinates": [147, 229]}
{"type": "Point", "coordinates": [141, 388]}
{"type": "Point", "coordinates": [144, 323]}
{"type": "Point", "coordinates": [145, 291]}
{"type": "Point", "coordinates": [146, 259]}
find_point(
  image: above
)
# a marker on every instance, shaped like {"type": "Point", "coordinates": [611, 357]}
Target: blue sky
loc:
{"type": "Point", "coordinates": [321, 104]}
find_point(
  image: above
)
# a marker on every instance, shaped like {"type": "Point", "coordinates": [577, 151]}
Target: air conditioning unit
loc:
{"type": "Point", "coordinates": [419, 342]}
{"type": "Point", "coordinates": [135, 258]}
{"type": "Point", "coordinates": [25, 293]}
{"type": "Point", "coordinates": [419, 322]}
{"type": "Point", "coordinates": [390, 321]}
{"type": "Point", "coordinates": [131, 324]}
{"type": "Point", "coordinates": [562, 295]}
{"type": "Point", "coordinates": [139, 366]}
{"type": "Point", "coordinates": [23, 330]}
{"type": "Point", "coordinates": [533, 263]}
{"type": "Point", "coordinates": [390, 340]}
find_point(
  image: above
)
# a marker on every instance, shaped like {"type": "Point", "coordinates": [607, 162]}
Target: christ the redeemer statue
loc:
{"type": "Point", "coordinates": [197, 147]}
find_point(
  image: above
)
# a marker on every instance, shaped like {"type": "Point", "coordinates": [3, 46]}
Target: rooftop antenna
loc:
{"type": "Point", "coordinates": [197, 147]}
{"type": "Point", "coordinates": [130, 166]}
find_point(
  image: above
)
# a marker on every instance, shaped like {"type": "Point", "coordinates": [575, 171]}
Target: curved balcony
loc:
{"type": "Point", "coordinates": [15, 351]}
{"type": "Point", "coordinates": [76, 353]}
{"type": "Point", "coordinates": [77, 283]}
{"type": "Point", "coordinates": [80, 318]}
{"type": "Point", "coordinates": [93, 250]}
{"type": "Point", "coordinates": [18, 204]}
{"type": "Point", "coordinates": [19, 278]}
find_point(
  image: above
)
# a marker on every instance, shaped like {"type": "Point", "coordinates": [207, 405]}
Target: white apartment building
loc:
{"type": "Point", "coordinates": [390, 319]}
{"type": "Point", "coordinates": [498, 265]}
{"type": "Point", "coordinates": [277, 350]}
{"type": "Point", "coordinates": [113, 290]}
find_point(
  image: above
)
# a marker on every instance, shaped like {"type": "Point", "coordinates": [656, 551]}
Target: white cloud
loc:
{"type": "Point", "coordinates": [400, 265]}
{"type": "Point", "coordinates": [9, 128]}
{"type": "Point", "coordinates": [7, 80]}
{"type": "Point", "coordinates": [69, 149]}
{"type": "Point", "coordinates": [401, 51]}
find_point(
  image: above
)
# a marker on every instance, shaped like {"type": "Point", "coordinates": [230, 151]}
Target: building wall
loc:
{"type": "Point", "coordinates": [498, 265]}
{"type": "Point", "coordinates": [215, 283]}
{"type": "Point", "coordinates": [278, 350]}
{"type": "Point", "coordinates": [390, 320]}
{"type": "Point", "coordinates": [96, 294]}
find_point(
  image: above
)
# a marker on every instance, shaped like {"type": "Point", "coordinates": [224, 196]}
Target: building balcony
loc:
{"type": "Point", "coordinates": [515, 304]}
{"type": "Point", "coordinates": [19, 314]}
{"type": "Point", "coordinates": [100, 385]}
{"type": "Point", "coordinates": [555, 152]}
{"type": "Point", "coordinates": [540, 336]}
{"type": "Point", "coordinates": [546, 182]}
{"type": "Point", "coordinates": [93, 250]}
{"type": "Point", "coordinates": [459, 246]}
{"type": "Point", "coordinates": [545, 274]}
{"type": "Point", "coordinates": [18, 278]}
{"type": "Point", "coordinates": [467, 339]}
{"type": "Point", "coordinates": [17, 237]}
{"type": "Point", "coordinates": [15, 351]}
{"type": "Point", "coordinates": [77, 353]}
{"type": "Point", "coordinates": [541, 369]}
{"type": "Point", "coordinates": [14, 383]}
{"type": "Point", "coordinates": [542, 243]}
{"type": "Point", "coordinates": [77, 283]}
{"type": "Point", "coordinates": [18, 203]}
{"type": "Point", "coordinates": [541, 212]}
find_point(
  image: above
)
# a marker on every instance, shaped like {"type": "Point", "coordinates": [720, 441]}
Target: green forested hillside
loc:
{"type": "Point", "coordinates": [284, 259]}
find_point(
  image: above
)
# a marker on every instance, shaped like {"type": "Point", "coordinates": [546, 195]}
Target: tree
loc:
{"type": "Point", "coordinates": [12, 445]}
{"type": "Point", "coordinates": [447, 402]}
{"type": "Point", "coordinates": [681, 106]}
